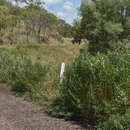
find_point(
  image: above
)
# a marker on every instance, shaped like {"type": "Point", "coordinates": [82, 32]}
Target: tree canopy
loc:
{"type": "Point", "coordinates": [105, 23]}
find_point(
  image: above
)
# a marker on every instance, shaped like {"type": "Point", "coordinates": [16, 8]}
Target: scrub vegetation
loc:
{"type": "Point", "coordinates": [96, 82]}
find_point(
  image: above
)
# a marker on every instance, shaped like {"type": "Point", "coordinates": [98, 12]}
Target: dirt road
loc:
{"type": "Point", "coordinates": [17, 114]}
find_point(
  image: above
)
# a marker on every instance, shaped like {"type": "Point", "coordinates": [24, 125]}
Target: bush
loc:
{"type": "Point", "coordinates": [24, 77]}
{"type": "Point", "coordinates": [95, 87]}
{"type": "Point", "coordinates": [5, 66]}
{"type": "Point", "coordinates": [116, 122]}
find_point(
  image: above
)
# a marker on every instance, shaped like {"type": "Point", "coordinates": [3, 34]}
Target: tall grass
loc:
{"type": "Point", "coordinates": [24, 77]}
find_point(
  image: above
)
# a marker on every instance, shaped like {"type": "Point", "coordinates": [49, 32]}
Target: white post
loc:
{"type": "Point", "coordinates": [62, 72]}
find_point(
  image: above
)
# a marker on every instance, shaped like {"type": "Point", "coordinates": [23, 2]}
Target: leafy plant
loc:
{"type": "Point", "coordinates": [95, 87]}
{"type": "Point", "coordinates": [116, 122]}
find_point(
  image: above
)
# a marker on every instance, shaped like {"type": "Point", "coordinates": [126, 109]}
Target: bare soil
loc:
{"type": "Point", "coordinates": [17, 114]}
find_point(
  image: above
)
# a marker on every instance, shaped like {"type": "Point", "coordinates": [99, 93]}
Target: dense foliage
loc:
{"type": "Point", "coordinates": [30, 23]}
{"type": "Point", "coordinates": [24, 77]}
{"type": "Point", "coordinates": [76, 31]}
{"type": "Point", "coordinates": [105, 23]}
{"type": "Point", "coordinates": [96, 88]}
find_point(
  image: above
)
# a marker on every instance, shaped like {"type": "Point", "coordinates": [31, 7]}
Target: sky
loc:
{"type": "Point", "coordinates": [64, 9]}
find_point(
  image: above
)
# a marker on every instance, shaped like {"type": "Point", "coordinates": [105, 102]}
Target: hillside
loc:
{"type": "Point", "coordinates": [30, 24]}
{"type": "Point", "coordinates": [51, 55]}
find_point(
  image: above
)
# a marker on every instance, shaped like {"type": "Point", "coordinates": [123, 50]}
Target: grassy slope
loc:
{"type": "Point", "coordinates": [53, 55]}
{"type": "Point", "coordinates": [48, 54]}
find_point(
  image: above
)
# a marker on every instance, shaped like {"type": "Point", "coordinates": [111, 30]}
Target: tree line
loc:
{"type": "Point", "coordinates": [105, 23]}
{"type": "Point", "coordinates": [32, 22]}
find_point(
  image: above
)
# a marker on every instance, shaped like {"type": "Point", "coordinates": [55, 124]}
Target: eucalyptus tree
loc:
{"type": "Point", "coordinates": [64, 28]}
{"type": "Point", "coordinates": [76, 31]}
{"type": "Point", "coordinates": [4, 20]}
{"type": "Point", "coordinates": [29, 20]}
{"type": "Point", "coordinates": [4, 12]}
{"type": "Point", "coordinates": [105, 23]}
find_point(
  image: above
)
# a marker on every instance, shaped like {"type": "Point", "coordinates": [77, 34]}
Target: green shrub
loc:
{"type": "Point", "coordinates": [24, 77]}
{"type": "Point", "coordinates": [5, 66]}
{"type": "Point", "coordinates": [95, 87]}
{"type": "Point", "coordinates": [28, 77]}
{"type": "Point", "coordinates": [58, 107]}
{"type": "Point", "coordinates": [116, 122]}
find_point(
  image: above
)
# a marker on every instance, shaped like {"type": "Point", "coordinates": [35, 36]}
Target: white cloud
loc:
{"type": "Point", "coordinates": [60, 14]}
{"type": "Point", "coordinates": [68, 6]}
{"type": "Point", "coordinates": [64, 9]}
{"type": "Point", "coordinates": [68, 12]}
{"type": "Point", "coordinates": [52, 2]}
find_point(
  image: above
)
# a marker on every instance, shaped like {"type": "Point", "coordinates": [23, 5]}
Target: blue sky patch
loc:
{"type": "Point", "coordinates": [65, 9]}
